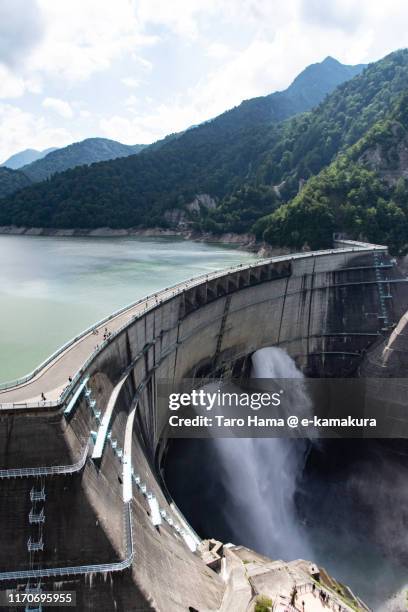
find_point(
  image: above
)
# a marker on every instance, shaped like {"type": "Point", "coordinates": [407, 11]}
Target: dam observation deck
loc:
{"type": "Point", "coordinates": [87, 459]}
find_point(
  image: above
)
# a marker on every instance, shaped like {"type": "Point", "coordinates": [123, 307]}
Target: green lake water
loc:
{"type": "Point", "coordinates": [53, 288]}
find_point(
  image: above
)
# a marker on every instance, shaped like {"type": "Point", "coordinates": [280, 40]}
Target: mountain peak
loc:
{"type": "Point", "coordinates": [331, 60]}
{"type": "Point", "coordinates": [18, 160]}
{"type": "Point", "coordinates": [319, 79]}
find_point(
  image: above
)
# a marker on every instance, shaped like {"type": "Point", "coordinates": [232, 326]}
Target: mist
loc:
{"type": "Point", "coordinates": [260, 475]}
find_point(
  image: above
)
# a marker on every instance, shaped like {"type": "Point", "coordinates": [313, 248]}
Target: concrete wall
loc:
{"type": "Point", "coordinates": [325, 310]}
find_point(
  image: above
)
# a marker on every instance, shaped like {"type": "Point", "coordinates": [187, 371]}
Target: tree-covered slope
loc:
{"type": "Point", "coordinates": [308, 89]}
{"type": "Point", "coordinates": [85, 152]}
{"type": "Point", "coordinates": [363, 193]}
{"type": "Point", "coordinates": [240, 167]}
{"type": "Point", "coordinates": [136, 190]}
{"type": "Point", "coordinates": [311, 141]}
{"type": "Point", "coordinates": [216, 157]}
{"type": "Point", "coordinates": [11, 180]}
{"type": "Point", "coordinates": [307, 143]}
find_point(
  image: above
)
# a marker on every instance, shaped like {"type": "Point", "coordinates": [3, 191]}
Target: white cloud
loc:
{"type": "Point", "coordinates": [256, 70]}
{"type": "Point", "coordinates": [131, 101]}
{"type": "Point", "coordinates": [218, 50]}
{"type": "Point", "coordinates": [85, 36]}
{"type": "Point", "coordinates": [279, 48]}
{"type": "Point", "coordinates": [131, 82]}
{"type": "Point", "coordinates": [67, 41]}
{"type": "Point", "coordinates": [345, 15]}
{"type": "Point", "coordinates": [128, 131]}
{"type": "Point", "coordinates": [14, 86]}
{"type": "Point", "coordinates": [142, 61]}
{"type": "Point", "coordinates": [219, 53]}
{"type": "Point", "coordinates": [148, 127]}
{"type": "Point", "coordinates": [11, 86]}
{"type": "Point", "coordinates": [21, 29]}
{"type": "Point", "coordinates": [22, 130]}
{"type": "Point", "coordinates": [61, 107]}
{"type": "Point", "coordinates": [179, 16]}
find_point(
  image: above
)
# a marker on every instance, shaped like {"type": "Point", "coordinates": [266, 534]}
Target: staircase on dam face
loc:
{"type": "Point", "coordinates": [384, 292]}
{"type": "Point", "coordinates": [36, 494]}
{"type": "Point", "coordinates": [34, 491]}
{"type": "Point", "coordinates": [35, 543]}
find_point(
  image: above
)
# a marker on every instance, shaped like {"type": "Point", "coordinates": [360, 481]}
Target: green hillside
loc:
{"type": "Point", "coordinates": [85, 152]}
{"type": "Point", "coordinates": [217, 157]}
{"type": "Point", "coordinates": [11, 180]}
{"type": "Point", "coordinates": [308, 89]}
{"type": "Point", "coordinates": [304, 147]}
{"type": "Point", "coordinates": [363, 193]}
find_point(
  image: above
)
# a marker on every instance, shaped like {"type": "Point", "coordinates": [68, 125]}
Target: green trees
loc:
{"type": "Point", "coordinates": [86, 151]}
{"type": "Point", "coordinates": [11, 180]}
{"type": "Point", "coordinates": [350, 197]}
{"type": "Point", "coordinates": [239, 211]}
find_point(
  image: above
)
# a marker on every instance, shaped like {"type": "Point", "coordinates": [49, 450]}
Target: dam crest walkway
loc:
{"type": "Point", "coordinates": [52, 377]}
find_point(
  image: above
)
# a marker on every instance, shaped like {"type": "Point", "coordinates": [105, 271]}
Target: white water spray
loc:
{"type": "Point", "coordinates": [260, 476]}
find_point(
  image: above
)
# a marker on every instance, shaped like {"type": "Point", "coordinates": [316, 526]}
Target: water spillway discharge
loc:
{"type": "Point", "coordinates": [260, 475]}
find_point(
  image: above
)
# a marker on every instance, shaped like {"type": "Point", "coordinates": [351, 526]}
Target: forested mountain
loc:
{"type": "Point", "coordinates": [136, 190]}
{"type": "Point", "coordinates": [216, 157]}
{"type": "Point", "coordinates": [307, 90]}
{"type": "Point", "coordinates": [81, 153]}
{"type": "Point", "coordinates": [309, 142]}
{"type": "Point", "coordinates": [305, 144]}
{"type": "Point", "coordinates": [11, 180]}
{"type": "Point", "coordinates": [27, 156]}
{"type": "Point", "coordinates": [364, 193]}
{"type": "Point", "coordinates": [254, 173]}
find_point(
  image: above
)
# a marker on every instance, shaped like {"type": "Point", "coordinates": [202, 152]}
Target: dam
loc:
{"type": "Point", "coordinates": [84, 505]}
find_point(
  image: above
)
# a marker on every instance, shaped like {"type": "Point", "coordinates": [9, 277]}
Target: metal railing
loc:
{"type": "Point", "coordinates": [46, 471]}
{"type": "Point", "coordinates": [333, 599]}
{"type": "Point", "coordinates": [116, 566]}
{"type": "Point", "coordinates": [36, 517]}
{"type": "Point", "coordinates": [38, 495]}
{"type": "Point", "coordinates": [166, 293]}
{"type": "Point", "coordinates": [34, 546]}
{"type": "Point", "coordinates": [75, 397]}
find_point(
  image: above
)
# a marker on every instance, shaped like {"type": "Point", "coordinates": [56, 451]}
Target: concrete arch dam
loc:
{"type": "Point", "coordinates": [82, 503]}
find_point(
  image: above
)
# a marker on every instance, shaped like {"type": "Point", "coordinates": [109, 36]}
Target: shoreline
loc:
{"type": "Point", "coordinates": [246, 242]}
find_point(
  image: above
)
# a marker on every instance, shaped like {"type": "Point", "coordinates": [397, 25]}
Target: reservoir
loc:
{"type": "Point", "coordinates": [52, 288]}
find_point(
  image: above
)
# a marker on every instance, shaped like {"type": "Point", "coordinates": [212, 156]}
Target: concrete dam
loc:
{"type": "Point", "coordinates": [84, 506]}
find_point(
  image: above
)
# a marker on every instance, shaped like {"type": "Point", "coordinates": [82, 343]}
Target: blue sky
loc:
{"type": "Point", "coordinates": [136, 70]}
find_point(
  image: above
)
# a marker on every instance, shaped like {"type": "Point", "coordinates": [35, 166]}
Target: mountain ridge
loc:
{"type": "Point", "coordinates": [306, 90]}
{"type": "Point", "coordinates": [299, 96]}
{"type": "Point", "coordinates": [83, 152]}
{"type": "Point", "coordinates": [240, 167]}
{"type": "Point", "coordinates": [27, 156]}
